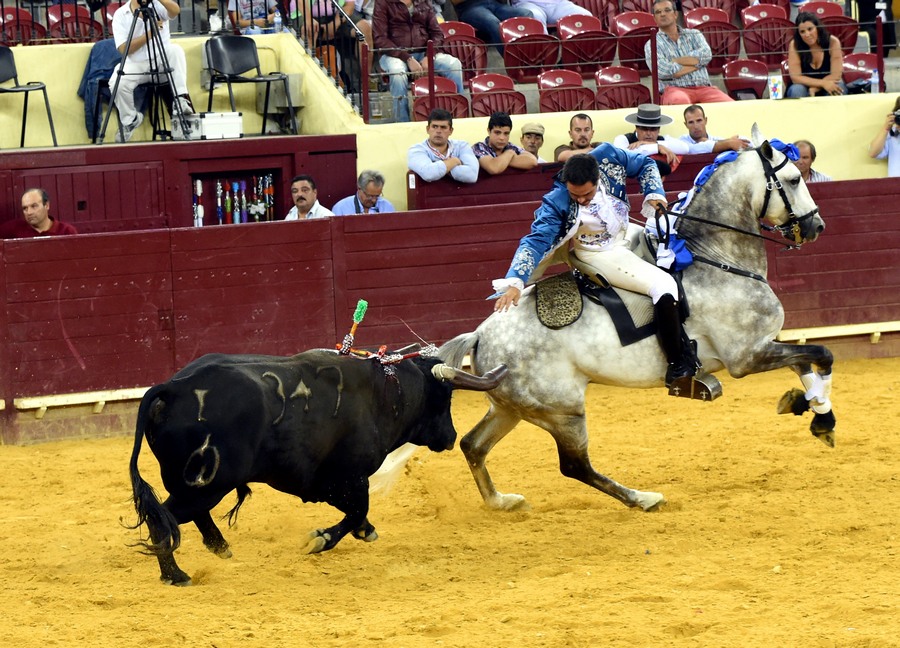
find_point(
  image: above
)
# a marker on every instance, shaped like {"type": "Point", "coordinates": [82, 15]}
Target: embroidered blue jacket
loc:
{"type": "Point", "coordinates": [556, 217]}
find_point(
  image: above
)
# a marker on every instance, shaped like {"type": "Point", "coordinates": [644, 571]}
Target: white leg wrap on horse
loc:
{"type": "Point", "coordinates": [818, 391]}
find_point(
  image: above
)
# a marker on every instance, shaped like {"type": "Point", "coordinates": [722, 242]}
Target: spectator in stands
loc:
{"type": "Point", "coordinates": [306, 202]}
{"type": "Point", "coordinates": [252, 16]}
{"type": "Point", "coordinates": [804, 163]}
{"type": "Point", "coordinates": [646, 139]}
{"type": "Point", "coordinates": [682, 57]}
{"type": "Point", "coordinates": [533, 139]}
{"type": "Point", "coordinates": [137, 65]}
{"type": "Point", "coordinates": [815, 60]}
{"type": "Point", "coordinates": [581, 132]}
{"type": "Point", "coordinates": [698, 138]}
{"type": "Point", "coordinates": [550, 11]}
{"type": "Point", "coordinates": [403, 28]}
{"type": "Point", "coordinates": [330, 27]}
{"type": "Point", "coordinates": [887, 143]}
{"type": "Point", "coordinates": [439, 155]}
{"type": "Point", "coordinates": [486, 15]}
{"type": "Point", "coordinates": [496, 153]}
{"type": "Point", "coordinates": [367, 199]}
{"type": "Point", "coordinates": [36, 220]}
{"type": "Point", "coordinates": [366, 14]}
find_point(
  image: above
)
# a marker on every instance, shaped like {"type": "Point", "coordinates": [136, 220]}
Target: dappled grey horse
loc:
{"type": "Point", "coordinates": [734, 317]}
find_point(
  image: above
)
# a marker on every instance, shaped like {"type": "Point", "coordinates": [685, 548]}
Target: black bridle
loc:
{"type": "Point", "coordinates": [790, 229]}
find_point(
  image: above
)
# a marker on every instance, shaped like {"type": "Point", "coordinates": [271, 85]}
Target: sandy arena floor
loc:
{"type": "Point", "coordinates": [769, 538]}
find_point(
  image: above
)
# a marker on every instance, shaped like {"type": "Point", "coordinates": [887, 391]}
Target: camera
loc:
{"type": "Point", "coordinates": [897, 117]}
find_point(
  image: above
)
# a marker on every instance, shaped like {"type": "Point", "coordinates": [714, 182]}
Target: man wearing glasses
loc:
{"type": "Point", "coordinates": [367, 199]}
{"type": "Point", "coordinates": [682, 57]}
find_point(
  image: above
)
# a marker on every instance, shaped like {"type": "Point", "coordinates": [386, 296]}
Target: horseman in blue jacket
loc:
{"type": "Point", "coordinates": [588, 207]}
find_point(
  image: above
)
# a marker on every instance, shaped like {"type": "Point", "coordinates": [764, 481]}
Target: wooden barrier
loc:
{"type": "Point", "coordinates": [514, 185]}
{"type": "Point", "coordinates": [150, 186]}
{"type": "Point", "coordinates": [106, 312]}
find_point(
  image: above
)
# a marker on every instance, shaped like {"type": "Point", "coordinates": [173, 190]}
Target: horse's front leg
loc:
{"type": "Point", "coordinates": [812, 363]}
{"type": "Point", "coordinates": [496, 424]}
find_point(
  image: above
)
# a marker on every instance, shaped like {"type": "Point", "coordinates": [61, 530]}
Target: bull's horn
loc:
{"type": "Point", "coordinates": [463, 380]}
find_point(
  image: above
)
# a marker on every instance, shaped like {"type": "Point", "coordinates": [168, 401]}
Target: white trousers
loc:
{"type": "Point", "coordinates": [624, 269]}
{"type": "Point", "coordinates": [138, 72]}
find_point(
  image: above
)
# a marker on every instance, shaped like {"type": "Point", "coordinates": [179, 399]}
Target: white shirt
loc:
{"type": "Point", "coordinates": [121, 25]}
{"type": "Point", "coordinates": [673, 144]}
{"type": "Point", "coordinates": [599, 223]}
{"type": "Point", "coordinates": [891, 151]}
{"type": "Point", "coordinates": [316, 211]}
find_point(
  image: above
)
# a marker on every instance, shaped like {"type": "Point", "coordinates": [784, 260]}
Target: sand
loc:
{"type": "Point", "coordinates": [768, 536]}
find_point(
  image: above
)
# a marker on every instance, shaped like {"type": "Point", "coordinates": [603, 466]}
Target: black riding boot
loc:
{"type": "Point", "coordinates": [672, 339]}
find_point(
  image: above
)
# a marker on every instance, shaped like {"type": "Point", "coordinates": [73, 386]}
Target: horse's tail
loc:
{"type": "Point", "coordinates": [454, 351]}
{"type": "Point", "coordinates": [149, 510]}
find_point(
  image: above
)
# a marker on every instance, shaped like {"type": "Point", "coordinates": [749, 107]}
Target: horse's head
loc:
{"type": "Point", "coordinates": [786, 204]}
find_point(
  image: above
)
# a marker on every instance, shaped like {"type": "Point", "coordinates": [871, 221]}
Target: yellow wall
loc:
{"type": "Point", "coordinates": [840, 128]}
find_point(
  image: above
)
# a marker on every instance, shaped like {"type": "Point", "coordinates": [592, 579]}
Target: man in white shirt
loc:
{"type": "Point", "coordinates": [646, 139]}
{"type": "Point", "coordinates": [807, 152]}
{"type": "Point", "coordinates": [698, 138]}
{"type": "Point", "coordinates": [306, 202]}
{"type": "Point", "coordinates": [141, 59]}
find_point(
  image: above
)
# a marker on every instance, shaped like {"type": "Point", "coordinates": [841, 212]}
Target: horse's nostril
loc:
{"type": "Point", "coordinates": [820, 229]}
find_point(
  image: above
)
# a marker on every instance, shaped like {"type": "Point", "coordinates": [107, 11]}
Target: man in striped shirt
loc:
{"type": "Point", "coordinates": [682, 57]}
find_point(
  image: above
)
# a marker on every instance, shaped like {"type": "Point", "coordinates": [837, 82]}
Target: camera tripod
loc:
{"type": "Point", "coordinates": [158, 68]}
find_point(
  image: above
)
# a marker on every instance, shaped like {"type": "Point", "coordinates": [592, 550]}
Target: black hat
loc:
{"type": "Point", "coordinates": [649, 116]}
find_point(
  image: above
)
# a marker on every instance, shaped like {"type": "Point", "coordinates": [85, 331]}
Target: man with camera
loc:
{"type": "Point", "coordinates": [145, 62]}
{"type": "Point", "coordinates": [887, 143]}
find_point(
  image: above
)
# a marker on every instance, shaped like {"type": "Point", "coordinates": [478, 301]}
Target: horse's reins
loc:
{"type": "Point", "coordinates": [791, 229]}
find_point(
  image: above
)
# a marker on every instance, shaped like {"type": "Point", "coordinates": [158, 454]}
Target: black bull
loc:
{"type": "Point", "coordinates": [315, 425]}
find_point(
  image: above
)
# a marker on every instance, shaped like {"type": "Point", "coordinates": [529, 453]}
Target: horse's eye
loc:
{"type": "Point", "coordinates": [795, 182]}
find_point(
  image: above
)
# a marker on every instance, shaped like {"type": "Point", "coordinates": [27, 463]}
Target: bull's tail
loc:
{"type": "Point", "coordinates": [454, 351]}
{"type": "Point", "coordinates": [165, 535]}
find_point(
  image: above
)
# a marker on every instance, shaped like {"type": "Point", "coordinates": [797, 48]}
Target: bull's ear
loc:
{"type": "Point", "coordinates": [756, 136]}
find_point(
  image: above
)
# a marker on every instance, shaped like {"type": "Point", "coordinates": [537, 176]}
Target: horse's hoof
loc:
{"type": "Point", "coordinates": [649, 501]}
{"type": "Point", "coordinates": [822, 427]}
{"type": "Point", "coordinates": [508, 502]}
{"type": "Point", "coordinates": [793, 402]}
{"type": "Point", "coordinates": [316, 541]}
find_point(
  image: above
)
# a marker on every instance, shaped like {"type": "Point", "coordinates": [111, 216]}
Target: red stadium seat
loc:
{"type": "Point", "coordinates": [822, 8]}
{"type": "Point", "coordinates": [701, 15]}
{"type": "Point", "coordinates": [725, 42]}
{"type": "Point", "coordinates": [471, 52]}
{"type": "Point", "coordinates": [79, 13]}
{"type": "Point", "coordinates": [109, 11]}
{"type": "Point", "coordinates": [445, 96]}
{"type": "Point", "coordinates": [605, 10]}
{"type": "Point", "coordinates": [15, 31]}
{"type": "Point", "coordinates": [728, 6]}
{"type": "Point", "coordinates": [859, 67]}
{"type": "Point", "coordinates": [634, 29]}
{"type": "Point", "coordinates": [620, 87]}
{"type": "Point", "coordinates": [746, 78]}
{"type": "Point", "coordinates": [456, 28]}
{"type": "Point", "coordinates": [562, 91]}
{"type": "Point", "coordinates": [527, 49]}
{"type": "Point", "coordinates": [645, 6]}
{"type": "Point", "coordinates": [757, 12]}
{"type": "Point", "coordinates": [13, 13]}
{"type": "Point", "coordinates": [767, 40]}
{"type": "Point", "coordinates": [585, 45]}
{"type": "Point", "coordinates": [845, 28]}
{"type": "Point", "coordinates": [76, 30]}
{"type": "Point", "coordinates": [494, 92]}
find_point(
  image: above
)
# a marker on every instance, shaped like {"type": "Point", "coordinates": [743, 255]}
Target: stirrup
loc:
{"type": "Point", "coordinates": [701, 386]}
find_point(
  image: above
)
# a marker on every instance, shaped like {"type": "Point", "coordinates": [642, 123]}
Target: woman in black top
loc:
{"type": "Point", "coordinates": [815, 61]}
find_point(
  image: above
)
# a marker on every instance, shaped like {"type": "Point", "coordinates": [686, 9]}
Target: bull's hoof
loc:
{"type": "Point", "coordinates": [179, 580]}
{"type": "Point", "coordinates": [793, 402]}
{"type": "Point", "coordinates": [822, 427]}
{"type": "Point", "coordinates": [317, 541]}
{"type": "Point", "coordinates": [221, 551]}
{"type": "Point", "coordinates": [366, 535]}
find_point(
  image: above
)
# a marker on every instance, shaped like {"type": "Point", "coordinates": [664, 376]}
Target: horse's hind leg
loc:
{"type": "Point", "coordinates": [570, 433]}
{"type": "Point", "coordinates": [476, 445]}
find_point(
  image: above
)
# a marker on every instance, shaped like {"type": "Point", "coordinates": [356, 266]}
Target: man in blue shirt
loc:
{"type": "Point", "coordinates": [439, 155]}
{"type": "Point", "coordinates": [367, 199]}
